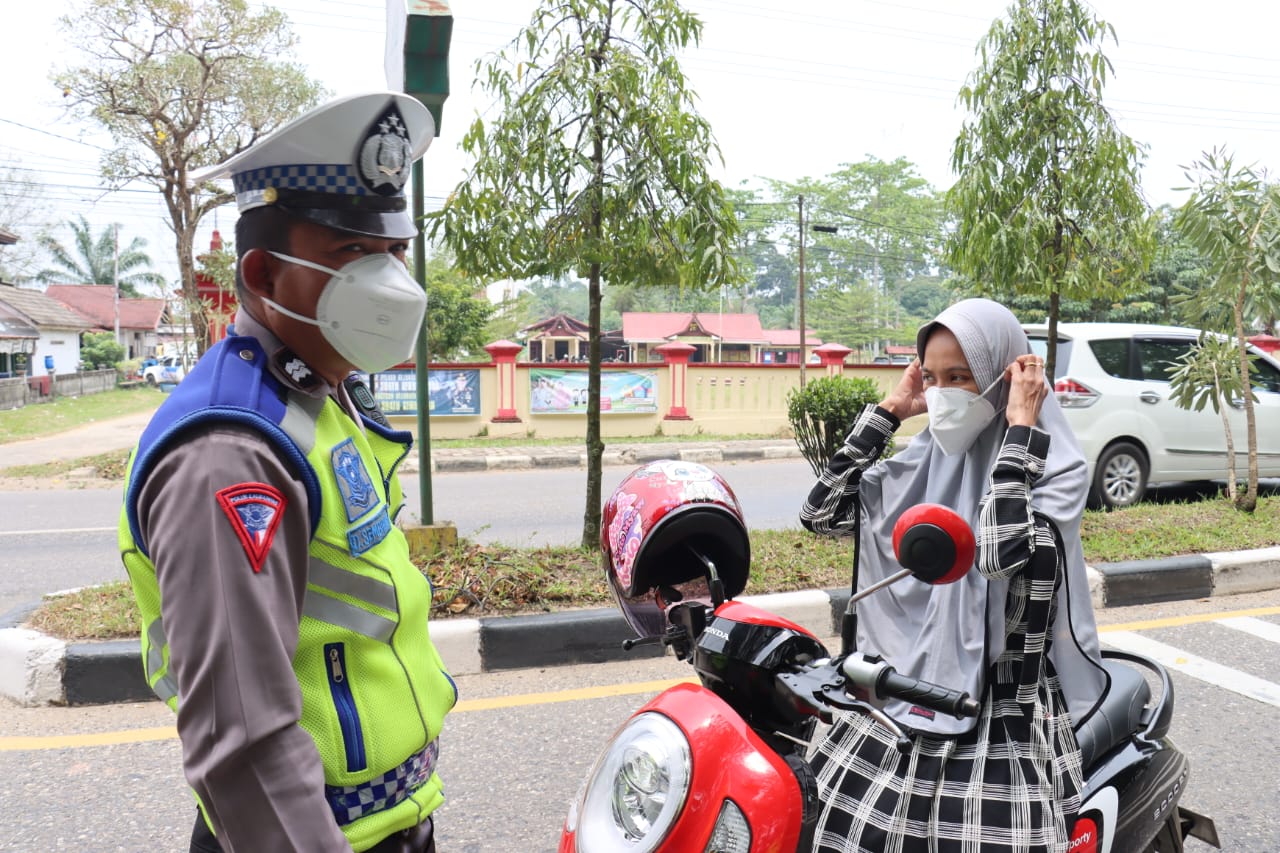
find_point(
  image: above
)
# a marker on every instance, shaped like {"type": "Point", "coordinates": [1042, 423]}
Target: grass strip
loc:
{"type": "Point", "coordinates": [473, 580]}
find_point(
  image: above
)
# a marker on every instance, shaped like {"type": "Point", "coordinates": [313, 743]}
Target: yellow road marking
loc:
{"type": "Point", "coordinates": [20, 744]}
{"type": "Point", "coordinates": [1177, 621]}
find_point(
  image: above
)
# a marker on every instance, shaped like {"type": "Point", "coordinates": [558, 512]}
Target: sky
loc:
{"type": "Point", "coordinates": [791, 90]}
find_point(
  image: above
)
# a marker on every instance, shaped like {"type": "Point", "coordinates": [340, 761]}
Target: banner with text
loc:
{"type": "Point", "coordinates": [622, 392]}
{"type": "Point", "coordinates": [450, 392]}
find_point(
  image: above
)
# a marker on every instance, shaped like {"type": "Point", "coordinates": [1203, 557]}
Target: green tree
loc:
{"type": "Point", "coordinates": [1233, 219]}
{"type": "Point", "coordinates": [1176, 270]}
{"type": "Point", "coordinates": [456, 316]}
{"type": "Point", "coordinates": [218, 266]}
{"type": "Point", "coordinates": [872, 226]}
{"type": "Point", "coordinates": [1047, 196]}
{"type": "Point", "coordinates": [181, 84]}
{"type": "Point", "coordinates": [100, 349]}
{"type": "Point", "coordinates": [595, 164]}
{"type": "Point", "coordinates": [771, 270]}
{"type": "Point", "coordinates": [20, 215]}
{"type": "Point", "coordinates": [100, 260]}
{"type": "Point", "coordinates": [1208, 376]}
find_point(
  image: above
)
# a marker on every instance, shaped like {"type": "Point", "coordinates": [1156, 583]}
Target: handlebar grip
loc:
{"type": "Point", "coordinates": [933, 696]}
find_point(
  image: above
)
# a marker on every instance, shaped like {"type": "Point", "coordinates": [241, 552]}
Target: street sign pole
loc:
{"type": "Point", "coordinates": [417, 63]}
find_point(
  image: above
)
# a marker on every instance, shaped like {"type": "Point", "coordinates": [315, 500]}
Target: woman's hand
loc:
{"type": "Point", "coordinates": [1027, 390]}
{"type": "Point", "coordinates": [907, 399]}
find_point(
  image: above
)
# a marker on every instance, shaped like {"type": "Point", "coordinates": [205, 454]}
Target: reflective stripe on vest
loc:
{"type": "Point", "coordinates": [299, 421]}
{"type": "Point", "coordinates": [319, 606]}
{"type": "Point", "coordinates": [166, 688]}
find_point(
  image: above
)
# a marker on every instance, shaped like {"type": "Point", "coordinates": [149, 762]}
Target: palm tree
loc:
{"type": "Point", "coordinates": [96, 261]}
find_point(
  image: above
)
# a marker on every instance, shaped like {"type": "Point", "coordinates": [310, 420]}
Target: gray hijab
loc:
{"type": "Point", "coordinates": [951, 634]}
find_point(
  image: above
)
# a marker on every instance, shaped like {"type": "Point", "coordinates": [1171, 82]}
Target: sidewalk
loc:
{"type": "Point", "coordinates": [121, 434]}
{"type": "Point", "coordinates": [36, 669]}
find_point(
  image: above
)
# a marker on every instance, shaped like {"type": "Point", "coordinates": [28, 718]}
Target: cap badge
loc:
{"type": "Point", "coordinates": [386, 154]}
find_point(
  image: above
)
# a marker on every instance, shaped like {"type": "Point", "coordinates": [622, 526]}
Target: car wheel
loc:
{"type": "Point", "coordinates": [151, 379]}
{"type": "Point", "coordinates": [1120, 478]}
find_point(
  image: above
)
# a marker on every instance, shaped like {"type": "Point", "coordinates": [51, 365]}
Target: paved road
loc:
{"type": "Point", "coordinates": [516, 750]}
{"type": "Point", "coordinates": [59, 539]}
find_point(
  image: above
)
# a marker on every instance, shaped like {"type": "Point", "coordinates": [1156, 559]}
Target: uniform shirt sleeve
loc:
{"type": "Point", "coordinates": [831, 508]}
{"type": "Point", "coordinates": [232, 633]}
{"type": "Point", "coordinates": [1007, 534]}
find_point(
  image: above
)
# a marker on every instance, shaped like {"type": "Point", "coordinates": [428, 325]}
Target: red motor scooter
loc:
{"type": "Point", "coordinates": [721, 766]}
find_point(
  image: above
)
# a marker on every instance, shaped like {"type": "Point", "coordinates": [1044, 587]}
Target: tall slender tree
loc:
{"type": "Point", "coordinates": [21, 215]}
{"type": "Point", "coordinates": [181, 84]}
{"type": "Point", "coordinates": [1233, 219]}
{"type": "Point", "coordinates": [99, 260]}
{"type": "Point", "coordinates": [597, 164]}
{"type": "Point", "coordinates": [1047, 196]}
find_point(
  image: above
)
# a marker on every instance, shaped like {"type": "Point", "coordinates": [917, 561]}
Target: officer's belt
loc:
{"type": "Point", "coordinates": [352, 802]}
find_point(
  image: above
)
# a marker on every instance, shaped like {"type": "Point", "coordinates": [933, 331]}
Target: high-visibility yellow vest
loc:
{"type": "Point", "coordinates": [374, 689]}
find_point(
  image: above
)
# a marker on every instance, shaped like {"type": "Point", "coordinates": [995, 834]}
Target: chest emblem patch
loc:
{"type": "Point", "coordinates": [358, 494]}
{"type": "Point", "coordinates": [254, 510]}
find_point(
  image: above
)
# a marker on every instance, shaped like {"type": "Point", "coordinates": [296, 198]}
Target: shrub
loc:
{"type": "Point", "coordinates": [99, 350]}
{"type": "Point", "coordinates": [823, 411]}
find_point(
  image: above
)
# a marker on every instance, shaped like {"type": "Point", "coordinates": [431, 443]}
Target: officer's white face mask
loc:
{"type": "Point", "coordinates": [370, 311]}
{"type": "Point", "coordinates": [957, 416]}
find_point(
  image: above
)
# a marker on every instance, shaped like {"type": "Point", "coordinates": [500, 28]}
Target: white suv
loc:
{"type": "Point", "coordinates": [1112, 380]}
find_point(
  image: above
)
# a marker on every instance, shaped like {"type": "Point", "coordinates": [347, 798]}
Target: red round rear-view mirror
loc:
{"type": "Point", "coordinates": [935, 543]}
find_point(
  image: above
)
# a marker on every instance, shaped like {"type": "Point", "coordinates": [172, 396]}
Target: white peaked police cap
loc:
{"type": "Point", "coordinates": [344, 164]}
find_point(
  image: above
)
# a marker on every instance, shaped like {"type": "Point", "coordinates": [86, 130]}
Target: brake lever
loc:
{"type": "Point", "coordinates": [818, 690]}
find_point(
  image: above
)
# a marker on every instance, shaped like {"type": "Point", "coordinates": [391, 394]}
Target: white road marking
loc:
{"type": "Point", "coordinates": [1269, 631]}
{"type": "Point", "coordinates": [1196, 667]}
{"type": "Point", "coordinates": [59, 530]}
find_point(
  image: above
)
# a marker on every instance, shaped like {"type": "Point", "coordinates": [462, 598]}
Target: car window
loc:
{"type": "Point", "coordinates": [1040, 347]}
{"type": "Point", "coordinates": [1113, 356]}
{"type": "Point", "coordinates": [1159, 358]}
{"type": "Point", "coordinates": [1267, 378]}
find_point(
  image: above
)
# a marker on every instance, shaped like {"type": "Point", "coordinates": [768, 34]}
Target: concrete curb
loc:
{"type": "Point", "coordinates": [38, 670]}
{"type": "Point", "coordinates": [629, 455]}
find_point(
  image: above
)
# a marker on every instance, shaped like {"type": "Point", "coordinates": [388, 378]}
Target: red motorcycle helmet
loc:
{"type": "Point", "coordinates": [655, 525]}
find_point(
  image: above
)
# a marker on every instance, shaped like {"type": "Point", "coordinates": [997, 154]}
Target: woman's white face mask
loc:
{"type": "Point", "coordinates": [958, 416]}
{"type": "Point", "coordinates": [370, 311]}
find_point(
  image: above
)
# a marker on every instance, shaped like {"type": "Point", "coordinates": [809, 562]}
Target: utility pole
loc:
{"type": "Point", "coordinates": [115, 280]}
{"type": "Point", "coordinates": [417, 63]}
{"type": "Point", "coordinates": [800, 295]}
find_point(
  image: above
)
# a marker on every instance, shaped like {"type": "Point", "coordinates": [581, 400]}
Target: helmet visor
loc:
{"type": "Point", "coordinates": [646, 613]}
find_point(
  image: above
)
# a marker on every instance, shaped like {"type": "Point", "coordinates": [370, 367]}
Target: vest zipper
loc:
{"type": "Point", "coordinates": [345, 704]}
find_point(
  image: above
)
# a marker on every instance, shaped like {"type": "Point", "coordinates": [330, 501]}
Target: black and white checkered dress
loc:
{"type": "Point", "coordinates": [1011, 783]}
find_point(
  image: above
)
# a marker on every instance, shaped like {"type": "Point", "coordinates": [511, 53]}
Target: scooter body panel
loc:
{"type": "Point", "coordinates": [730, 762]}
{"type": "Point", "coordinates": [1129, 796]}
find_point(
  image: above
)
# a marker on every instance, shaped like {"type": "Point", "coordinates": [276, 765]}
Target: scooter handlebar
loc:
{"type": "Point", "coordinates": [873, 678]}
{"type": "Point", "coordinates": [893, 685]}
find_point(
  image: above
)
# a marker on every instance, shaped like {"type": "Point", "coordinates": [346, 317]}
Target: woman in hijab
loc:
{"type": "Point", "coordinates": [1018, 632]}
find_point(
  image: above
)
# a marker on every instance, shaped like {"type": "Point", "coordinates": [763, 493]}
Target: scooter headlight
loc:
{"type": "Point", "coordinates": [637, 788]}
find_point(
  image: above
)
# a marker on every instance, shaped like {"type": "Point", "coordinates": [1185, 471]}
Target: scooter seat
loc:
{"type": "Point", "coordinates": [1118, 717]}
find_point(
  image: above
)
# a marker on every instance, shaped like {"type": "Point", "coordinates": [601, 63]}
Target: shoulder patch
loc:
{"type": "Point", "coordinates": [255, 510]}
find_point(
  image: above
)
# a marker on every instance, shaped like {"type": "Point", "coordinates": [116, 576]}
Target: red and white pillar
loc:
{"type": "Point", "coordinates": [832, 357]}
{"type": "Point", "coordinates": [676, 355]}
{"type": "Point", "coordinates": [504, 360]}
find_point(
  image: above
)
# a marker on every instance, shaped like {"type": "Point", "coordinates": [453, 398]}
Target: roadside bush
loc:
{"type": "Point", "coordinates": [823, 411]}
{"type": "Point", "coordinates": [99, 350]}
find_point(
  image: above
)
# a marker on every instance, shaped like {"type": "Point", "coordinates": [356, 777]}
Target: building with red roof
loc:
{"type": "Point", "coordinates": [715, 337]}
{"type": "Point", "coordinates": [139, 319]}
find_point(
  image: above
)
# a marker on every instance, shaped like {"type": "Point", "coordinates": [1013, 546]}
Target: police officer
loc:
{"type": "Point", "coordinates": [282, 618]}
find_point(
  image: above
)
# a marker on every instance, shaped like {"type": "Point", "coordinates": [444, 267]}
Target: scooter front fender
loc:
{"type": "Point", "coordinates": [729, 761]}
